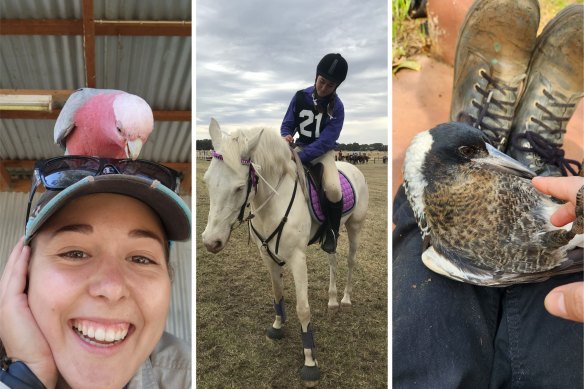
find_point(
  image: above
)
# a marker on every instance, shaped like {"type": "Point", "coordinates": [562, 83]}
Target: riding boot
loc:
{"type": "Point", "coordinates": [333, 213]}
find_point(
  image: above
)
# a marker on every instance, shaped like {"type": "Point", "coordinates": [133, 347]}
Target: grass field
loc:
{"type": "Point", "coordinates": [234, 309]}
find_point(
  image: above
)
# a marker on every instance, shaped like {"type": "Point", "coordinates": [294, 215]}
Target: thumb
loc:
{"type": "Point", "coordinates": [567, 301]}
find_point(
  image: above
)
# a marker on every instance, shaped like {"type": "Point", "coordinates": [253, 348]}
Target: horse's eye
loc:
{"type": "Point", "coordinates": [239, 189]}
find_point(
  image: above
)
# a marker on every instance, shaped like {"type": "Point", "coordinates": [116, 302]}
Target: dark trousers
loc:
{"type": "Point", "coordinates": [447, 334]}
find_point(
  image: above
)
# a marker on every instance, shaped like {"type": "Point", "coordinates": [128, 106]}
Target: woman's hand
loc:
{"type": "Point", "coordinates": [19, 331]}
{"type": "Point", "coordinates": [566, 301]}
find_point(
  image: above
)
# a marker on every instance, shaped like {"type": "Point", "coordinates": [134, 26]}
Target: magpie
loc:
{"type": "Point", "coordinates": [482, 221]}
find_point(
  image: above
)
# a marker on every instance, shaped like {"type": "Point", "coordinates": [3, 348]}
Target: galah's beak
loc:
{"type": "Point", "coordinates": [133, 148]}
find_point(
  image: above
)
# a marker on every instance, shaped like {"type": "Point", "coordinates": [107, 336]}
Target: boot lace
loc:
{"type": "Point", "coordinates": [549, 151]}
{"type": "Point", "coordinates": [496, 133]}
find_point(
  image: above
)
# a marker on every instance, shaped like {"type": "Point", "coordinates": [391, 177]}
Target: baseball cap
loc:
{"type": "Point", "coordinates": [172, 210]}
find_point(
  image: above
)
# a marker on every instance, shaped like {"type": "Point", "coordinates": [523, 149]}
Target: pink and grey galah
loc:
{"type": "Point", "coordinates": [107, 123]}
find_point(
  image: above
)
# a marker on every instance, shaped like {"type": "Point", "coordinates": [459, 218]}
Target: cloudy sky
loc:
{"type": "Point", "coordinates": [253, 55]}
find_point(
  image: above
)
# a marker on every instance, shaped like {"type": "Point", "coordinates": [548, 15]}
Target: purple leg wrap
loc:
{"type": "Point", "coordinates": [279, 308]}
{"type": "Point", "coordinates": [309, 373]}
{"type": "Point", "coordinates": [308, 339]}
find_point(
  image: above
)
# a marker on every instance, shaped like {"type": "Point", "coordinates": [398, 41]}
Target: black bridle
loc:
{"type": "Point", "coordinates": [252, 183]}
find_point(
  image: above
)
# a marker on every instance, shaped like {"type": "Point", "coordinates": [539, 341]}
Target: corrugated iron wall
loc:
{"type": "Point", "coordinates": [33, 139]}
{"type": "Point", "coordinates": [12, 215]}
{"type": "Point", "coordinates": [103, 9]}
{"type": "Point", "coordinates": [156, 68]}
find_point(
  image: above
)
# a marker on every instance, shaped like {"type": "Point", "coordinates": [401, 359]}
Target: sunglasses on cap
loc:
{"type": "Point", "coordinates": [61, 172]}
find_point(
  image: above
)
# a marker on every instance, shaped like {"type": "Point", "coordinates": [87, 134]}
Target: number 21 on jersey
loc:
{"type": "Point", "coordinates": [307, 126]}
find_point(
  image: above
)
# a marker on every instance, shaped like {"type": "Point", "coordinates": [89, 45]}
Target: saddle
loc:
{"type": "Point", "coordinates": [316, 193]}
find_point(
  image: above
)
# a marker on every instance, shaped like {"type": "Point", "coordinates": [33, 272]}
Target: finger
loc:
{"type": "Point", "coordinates": [15, 281]}
{"type": "Point", "coordinates": [567, 301]}
{"type": "Point", "coordinates": [564, 188]}
{"type": "Point", "coordinates": [12, 259]}
{"type": "Point", "coordinates": [564, 215]}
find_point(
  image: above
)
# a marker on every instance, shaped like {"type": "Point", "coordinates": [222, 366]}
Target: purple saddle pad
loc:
{"type": "Point", "coordinates": [348, 198]}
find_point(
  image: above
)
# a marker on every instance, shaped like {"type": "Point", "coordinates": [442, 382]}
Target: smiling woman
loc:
{"type": "Point", "coordinates": [85, 293]}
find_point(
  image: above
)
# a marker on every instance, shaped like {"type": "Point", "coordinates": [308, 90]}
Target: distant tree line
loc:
{"type": "Point", "coordinates": [362, 147]}
{"type": "Point", "coordinates": [205, 144]}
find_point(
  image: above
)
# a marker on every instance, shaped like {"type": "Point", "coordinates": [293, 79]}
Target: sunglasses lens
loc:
{"type": "Point", "coordinates": [60, 173]}
{"type": "Point", "coordinates": [148, 170]}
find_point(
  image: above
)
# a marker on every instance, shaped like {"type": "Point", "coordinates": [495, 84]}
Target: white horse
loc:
{"type": "Point", "coordinates": [255, 167]}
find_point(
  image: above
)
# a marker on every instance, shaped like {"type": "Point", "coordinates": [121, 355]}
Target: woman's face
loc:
{"type": "Point", "coordinates": [324, 87]}
{"type": "Point", "coordinates": [99, 288]}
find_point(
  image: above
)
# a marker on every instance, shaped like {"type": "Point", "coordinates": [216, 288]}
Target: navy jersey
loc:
{"type": "Point", "coordinates": [318, 132]}
{"type": "Point", "coordinates": [307, 119]}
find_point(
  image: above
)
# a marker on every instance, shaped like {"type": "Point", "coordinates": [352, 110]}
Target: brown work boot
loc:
{"type": "Point", "coordinates": [493, 51]}
{"type": "Point", "coordinates": [554, 86]}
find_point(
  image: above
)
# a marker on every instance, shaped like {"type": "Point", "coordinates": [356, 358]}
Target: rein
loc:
{"type": "Point", "coordinates": [252, 182]}
{"type": "Point", "coordinates": [277, 232]}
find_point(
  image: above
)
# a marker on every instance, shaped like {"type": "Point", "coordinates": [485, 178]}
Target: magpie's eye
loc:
{"type": "Point", "coordinates": [466, 151]}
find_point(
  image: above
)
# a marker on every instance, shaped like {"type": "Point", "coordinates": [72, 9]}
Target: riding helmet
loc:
{"type": "Point", "coordinates": [333, 67]}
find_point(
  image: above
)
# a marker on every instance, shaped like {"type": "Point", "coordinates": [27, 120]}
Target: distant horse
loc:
{"type": "Point", "coordinates": [254, 167]}
{"type": "Point", "coordinates": [357, 158]}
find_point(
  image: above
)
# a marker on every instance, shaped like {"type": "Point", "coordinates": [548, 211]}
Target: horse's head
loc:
{"type": "Point", "coordinates": [228, 180]}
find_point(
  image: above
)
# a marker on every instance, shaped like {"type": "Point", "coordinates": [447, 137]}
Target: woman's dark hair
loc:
{"type": "Point", "coordinates": [330, 107]}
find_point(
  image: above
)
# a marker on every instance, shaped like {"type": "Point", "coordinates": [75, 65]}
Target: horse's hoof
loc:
{"type": "Point", "coordinates": [346, 306]}
{"type": "Point", "coordinates": [275, 333]}
{"type": "Point", "coordinates": [332, 309]}
{"type": "Point", "coordinates": [310, 375]}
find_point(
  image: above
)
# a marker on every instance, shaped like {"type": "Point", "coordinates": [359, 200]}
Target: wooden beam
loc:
{"type": "Point", "coordinates": [23, 164]}
{"type": "Point", "coordinates": [143, 28]}
{"type": "Point", "coordinates": [161, 116]}
{"type": "Point", "coordinates": [102, 27]}
{"type": "Point", "coordinates": [37, 115]}
{"type": "Point", "coordinates": [186, 181]}
{"type": "Point", "coordinates": [60, 96]}
{"type": "Point", "coordinates": [4, 178]}
{"type": "Point", "coordinates": [20, 186]}
{"type": "Point", "coordinates": [89, 43]}
{"type": "Point", "coordinates": [10, 185]}
{"type": "Point", "coordinates": [173, 116]}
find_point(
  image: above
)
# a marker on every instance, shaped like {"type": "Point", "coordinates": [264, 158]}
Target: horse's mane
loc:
{"type": "Point", "coordinates": [271, 155]}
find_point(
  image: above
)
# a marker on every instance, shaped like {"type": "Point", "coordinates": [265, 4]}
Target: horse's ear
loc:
{"type": "Point", "coordinates": [252, 143]}
{"type": "Point", "coordinates": [215, 132]}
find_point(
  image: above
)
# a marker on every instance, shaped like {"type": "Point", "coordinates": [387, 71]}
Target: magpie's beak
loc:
{"type": "Point", "coordinates": [502, 162]}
